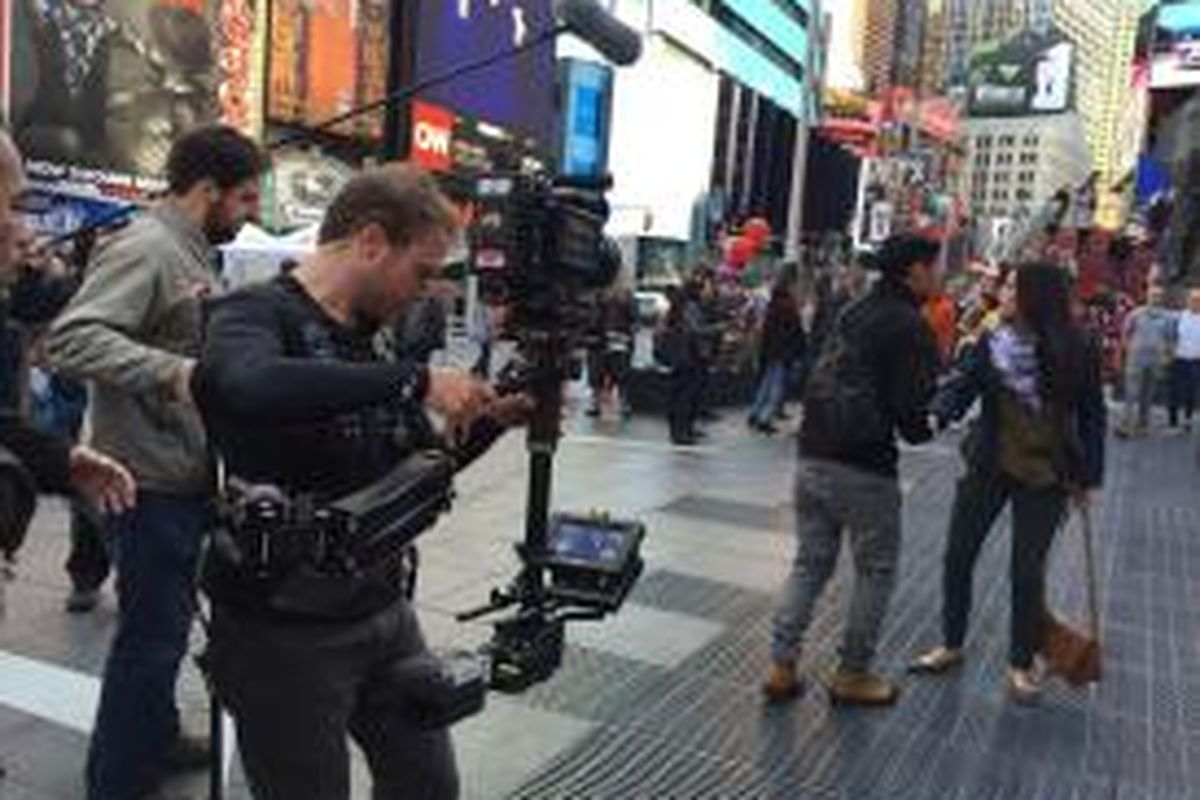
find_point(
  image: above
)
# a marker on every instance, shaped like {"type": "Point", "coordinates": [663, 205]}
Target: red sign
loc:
{"type": "Point", "coordinates": [432, 137]}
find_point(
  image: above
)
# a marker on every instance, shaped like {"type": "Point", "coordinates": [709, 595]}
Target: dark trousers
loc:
{"type": "Point", "coordinates": [297, 689]}
{"type": "Point", "coordinates": [1036, 516]}
{"type": "Point", "coordinates": [684, 401]}
{"type": "Point", "coordinates": [157, 547]}
{"type": "Point", "coordinates": [1185, 380]}
{"type": "Point", "coordinates": [89, 562]}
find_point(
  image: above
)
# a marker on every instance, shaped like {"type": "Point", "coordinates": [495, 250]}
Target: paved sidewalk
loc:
{"type": "Point", "coordinates": [662, 700]}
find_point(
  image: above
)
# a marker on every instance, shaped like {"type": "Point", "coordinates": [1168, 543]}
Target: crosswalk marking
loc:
{"type": "Point", "coordinates": [66, 697]}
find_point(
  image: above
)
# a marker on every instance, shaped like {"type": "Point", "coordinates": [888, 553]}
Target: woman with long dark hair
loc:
{"type": "Point", "coordinates": [1038, 443]}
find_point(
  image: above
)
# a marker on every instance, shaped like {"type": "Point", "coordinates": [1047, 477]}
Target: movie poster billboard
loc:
{"type": "Point", "coordinates": [327, 57]}
{"type": "Point", "coordinates": [1030, 74]}
{"type": "Point", "coordinates": [106, 85]}
{"type": "Point", "coordinates": [517, 94]}
{"type": "Point", "coordinates": [1175, 56]}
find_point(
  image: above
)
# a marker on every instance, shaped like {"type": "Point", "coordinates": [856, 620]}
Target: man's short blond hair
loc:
{"type": "Point", "coordinates": [402, 199]}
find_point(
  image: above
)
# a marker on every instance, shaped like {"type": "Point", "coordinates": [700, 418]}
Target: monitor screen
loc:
{"type": "Point", "coordinates": [591, 544]}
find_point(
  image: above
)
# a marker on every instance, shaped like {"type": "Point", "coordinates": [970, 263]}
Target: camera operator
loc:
{"type": "Point", "coordinates": [297, 395]}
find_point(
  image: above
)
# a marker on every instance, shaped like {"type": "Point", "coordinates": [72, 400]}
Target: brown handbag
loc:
{"type": "Point", "coordinates": [1071, 654]}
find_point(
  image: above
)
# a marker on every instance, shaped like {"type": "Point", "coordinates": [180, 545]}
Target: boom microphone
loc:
{"type": "Point", "coordinates": [588, 20]}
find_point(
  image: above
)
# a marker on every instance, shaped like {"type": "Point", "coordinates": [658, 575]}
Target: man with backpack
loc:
{"type": "Point", "coordinates": [874, 379]}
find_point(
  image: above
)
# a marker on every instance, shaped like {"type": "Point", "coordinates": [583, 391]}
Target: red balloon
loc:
{"type": "Point", "coordinates": [757, 229]}
{"type": "Point", "coordinates": [740, 250]}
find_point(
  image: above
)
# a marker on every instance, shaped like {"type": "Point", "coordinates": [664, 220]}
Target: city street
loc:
{"type": "Point", "coordinates": [662, 701]}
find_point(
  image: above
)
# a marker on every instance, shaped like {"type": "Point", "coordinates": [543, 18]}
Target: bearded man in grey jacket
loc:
{"type": "Point", "coordinates": [133, 331]}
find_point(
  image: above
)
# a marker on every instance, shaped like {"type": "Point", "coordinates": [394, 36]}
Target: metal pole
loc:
{"type": "Point", "coordinates": [402, 68]}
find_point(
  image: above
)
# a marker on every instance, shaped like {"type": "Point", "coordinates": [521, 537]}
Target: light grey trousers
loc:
{"type": "Point", "coordinates": [832, 499]}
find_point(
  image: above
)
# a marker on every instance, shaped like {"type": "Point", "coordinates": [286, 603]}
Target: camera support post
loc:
{"type": "Point", "coordinates": [528, 645]}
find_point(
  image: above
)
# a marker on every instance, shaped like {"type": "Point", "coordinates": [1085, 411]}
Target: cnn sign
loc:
{"type": "Point", "coordinates": [432, 137]}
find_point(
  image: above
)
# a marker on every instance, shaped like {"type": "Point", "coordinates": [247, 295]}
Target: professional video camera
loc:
{"type": "Point", "coordinates": [538, 247]}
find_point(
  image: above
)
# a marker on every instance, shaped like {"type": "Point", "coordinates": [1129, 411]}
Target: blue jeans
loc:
{"type": "Point", "coordinates": [769, 397]}
{"type": "Point", "coordinates": [156, 548]}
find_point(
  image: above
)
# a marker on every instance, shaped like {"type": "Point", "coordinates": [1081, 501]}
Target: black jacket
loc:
{"type": "Point", "coordinates": [901, 356]}
{"type": "Point", "coordinates": [1080, 449]}
{"type": "Point", "coordinates": [293, 398]}
{"type": "Point", "coordinates": [783, 338]}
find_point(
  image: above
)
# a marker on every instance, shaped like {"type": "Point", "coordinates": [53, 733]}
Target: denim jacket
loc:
{"type": "Point", "coordinates": [1083, 425]}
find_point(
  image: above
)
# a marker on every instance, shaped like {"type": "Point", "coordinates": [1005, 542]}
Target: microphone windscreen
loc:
{"type": "Point", "coordinates": [588, 20]}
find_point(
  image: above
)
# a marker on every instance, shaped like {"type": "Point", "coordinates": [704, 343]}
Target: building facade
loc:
{"type": "Point", "coordinates": [895, 39]}
{"type": "Point", "coordinates": [710, 125]}
{"type": "Point", "coordinates": [1104, 32]}
{"type": "Point", "coordinates": [1016, 164]}
{"type": "Point", "coordinates": [972, 23]}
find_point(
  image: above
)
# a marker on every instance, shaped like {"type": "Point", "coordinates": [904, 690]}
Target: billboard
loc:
{"type": "Point", "coordinates": [107, 85]}
{"type": "Point", "coordinates": [517, 94]}
{"type": "Point", "coordinates": [587, 109]}
{"type": "Point", "coordinates": [1175, 53]}
{"type": "Point", "coordinates": [1030, 74]}
{"type": "Point", "coordinates": [326, 58]}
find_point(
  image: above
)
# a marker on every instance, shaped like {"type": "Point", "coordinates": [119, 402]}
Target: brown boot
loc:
{"type": "Point", "coordinates": [782, 684]}
{"type": "Point", "coordinates": [860, 689]}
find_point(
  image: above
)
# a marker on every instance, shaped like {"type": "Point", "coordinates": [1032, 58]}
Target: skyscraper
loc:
{"type": "Point", "coordinates": [1104, 32]}
{"type": "Point", "coordinates": [895, 38]}
{"type": "Point", "coordinates": [847, 67]}
{"type": "Point", "coordinates": [934, 55]}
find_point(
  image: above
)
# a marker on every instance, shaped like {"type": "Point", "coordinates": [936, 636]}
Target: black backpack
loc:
{"type": "Point", "coordinates": [841, 399]}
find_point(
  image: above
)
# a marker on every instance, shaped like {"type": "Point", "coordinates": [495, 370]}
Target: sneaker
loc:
{"type": "Point", "coordinates": [937, 661]}
{"type": "Point", "coordinates": [683, 441]}
{"type": "Point", "coordinates": [860, 689]}
{"type": "Point", "coordinates": [782, 684]}
{"type": "Point", "coordinates": [188, 754]}
{"type": "Point", "coordinates": [1023, 686]}
{"type": "Point", "coordinates": [81, 601]}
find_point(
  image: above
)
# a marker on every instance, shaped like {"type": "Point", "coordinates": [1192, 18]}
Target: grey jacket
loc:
{"type": "Point", "coordinates": [1150, 335]}
{"type": "Point", "coordinates": [134, 326]}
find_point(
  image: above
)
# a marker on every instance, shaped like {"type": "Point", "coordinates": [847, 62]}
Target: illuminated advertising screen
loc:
{"type": "Point", "coordinates": [326, 58]}
{"type": "Point", "coordinates": [1175, 56]}
{"type": "Point", "coordinates": [517, 94]}
{"type": "Point", "coordinates": [1031, 74]}
{"type": "Point", "coordinates": [106, 85]}
{"type": "Point", "coordinates": [587, 106]}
